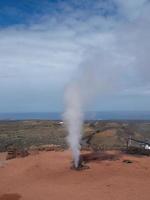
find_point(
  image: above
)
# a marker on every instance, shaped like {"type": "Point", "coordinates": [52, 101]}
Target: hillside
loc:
{"type": "Point", "coordinates": [105, 134]}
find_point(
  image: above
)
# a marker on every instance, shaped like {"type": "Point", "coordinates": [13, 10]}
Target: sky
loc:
{"type": "Point", "coordinates": [45, 45]}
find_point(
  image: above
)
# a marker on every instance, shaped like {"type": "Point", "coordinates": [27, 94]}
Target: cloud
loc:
{"type": "Point", "coordinates": [131, 9]}
{"type": "Point", "coordinates": [40, 58]}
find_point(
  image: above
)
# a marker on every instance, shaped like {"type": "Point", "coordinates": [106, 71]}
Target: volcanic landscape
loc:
{"type": "Point", "coordinates": [45, 173]}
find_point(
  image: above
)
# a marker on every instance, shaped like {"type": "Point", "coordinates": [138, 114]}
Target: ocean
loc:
{"type": "Point", "coordinates": [105, 115]}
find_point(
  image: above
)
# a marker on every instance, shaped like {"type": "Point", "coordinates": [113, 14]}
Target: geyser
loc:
{"type": "Point", "coordinates": [73, 117]}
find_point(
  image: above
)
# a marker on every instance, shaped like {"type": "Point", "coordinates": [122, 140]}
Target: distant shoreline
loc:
{"type": "Point", "coordinates": [91, 115]}
{"type": "Point", "coordinates": [85, 121]}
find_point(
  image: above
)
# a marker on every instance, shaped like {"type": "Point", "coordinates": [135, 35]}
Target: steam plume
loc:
{"type": "Point", "coordinates": [116, 64]}
{"type": "Point", "coordinates": [74, 120]}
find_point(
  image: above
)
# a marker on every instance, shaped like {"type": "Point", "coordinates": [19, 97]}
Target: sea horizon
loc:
{"type": "Point", "coordinates": [89, 115]}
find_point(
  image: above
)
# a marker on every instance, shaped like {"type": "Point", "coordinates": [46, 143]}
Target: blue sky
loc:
{"type": "Point", "coordinates": [24, 12]}
{"type": "Point", "coordinates": [102, 45]}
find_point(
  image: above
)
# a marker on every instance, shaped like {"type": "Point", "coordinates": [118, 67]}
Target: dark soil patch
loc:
{"type": "Point", "coordinates": [10, 196]}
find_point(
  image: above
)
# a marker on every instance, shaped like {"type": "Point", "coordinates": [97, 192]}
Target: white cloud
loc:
{"type": "Point", "coordinates": [131, 9]}
{"type": "Point", "coordinates": [44, 56]}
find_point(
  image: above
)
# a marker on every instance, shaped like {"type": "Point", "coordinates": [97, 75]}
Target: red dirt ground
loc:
{"type": "Point", "coordinates": [47, 176]}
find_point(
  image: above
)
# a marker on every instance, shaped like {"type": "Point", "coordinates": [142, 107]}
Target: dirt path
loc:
{"type": "Point", "coordinates": [47, 176]}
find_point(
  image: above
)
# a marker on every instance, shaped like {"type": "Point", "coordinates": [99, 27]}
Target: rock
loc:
{"type": "Point", "coordinates": [22, 153]}
{"type": "Point", "coordinates": [12, 153]}
{"type": "Point", "coordinates": [127, 161]}
{"type": "Point", "coordinates": [50, 147]}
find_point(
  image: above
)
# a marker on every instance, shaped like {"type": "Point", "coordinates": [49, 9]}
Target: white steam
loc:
{"type": "Point", "coordinates": [117, 63]}
{"type": "Point", "coordinates": [74, 120]}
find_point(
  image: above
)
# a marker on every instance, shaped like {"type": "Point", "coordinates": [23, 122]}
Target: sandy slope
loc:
{"type": "Point", "coordinates": [47, 176]}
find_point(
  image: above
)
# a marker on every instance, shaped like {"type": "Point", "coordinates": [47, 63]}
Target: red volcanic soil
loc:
{"type": "Point", "coordinates": [47, 176]}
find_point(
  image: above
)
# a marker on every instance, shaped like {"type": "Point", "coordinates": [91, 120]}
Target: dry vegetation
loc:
{"type": "Point", "coordinates": [106, 134]}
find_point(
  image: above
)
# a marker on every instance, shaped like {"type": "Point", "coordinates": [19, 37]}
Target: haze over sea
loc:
{"type": "Point", "coordinates": [104, 115]}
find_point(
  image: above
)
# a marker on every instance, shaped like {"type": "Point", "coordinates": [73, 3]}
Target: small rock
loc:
{"type": "Point", "coordinates": [127, 161]}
